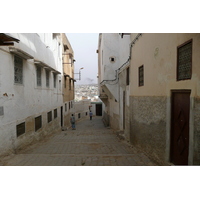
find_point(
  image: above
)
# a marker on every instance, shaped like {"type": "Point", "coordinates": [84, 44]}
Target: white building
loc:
{"type": "Point", "coordinates": [113, 54]}
{"type": "Point", "coordinates": [31, 100]}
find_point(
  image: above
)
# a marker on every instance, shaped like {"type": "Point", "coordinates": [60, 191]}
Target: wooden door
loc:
{"type": "Point", "coordinates": [180, 112]}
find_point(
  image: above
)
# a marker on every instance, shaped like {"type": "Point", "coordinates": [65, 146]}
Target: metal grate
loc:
{"type": "Point", "coordinates": [184, 64]}
{"type": "Point", "coordinates": [141, 75]}
{"type": "Point", "coordinates": [20, 129]}
{"type": "Point", "coordinates": [18, 62]}
{"type": "Point", "coordinates": [49, 116]}
{"type": "Point", "coordinates": [38, 122]}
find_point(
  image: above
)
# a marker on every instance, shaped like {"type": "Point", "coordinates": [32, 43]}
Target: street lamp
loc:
{"type": "Point", "coordinates": [79, 73]}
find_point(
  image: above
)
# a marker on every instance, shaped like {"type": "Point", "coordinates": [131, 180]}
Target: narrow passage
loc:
{"type": "Point", "coordinates": [91, 144]}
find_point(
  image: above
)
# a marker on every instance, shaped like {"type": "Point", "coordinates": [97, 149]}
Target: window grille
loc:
{"type": "Point", "coordinates": [141, 75]}
{"type": "Point", "coordinates": [20, 129]}
{"type": "Point", "coordinates": [49, 116]}
{"type": "Point", "coordinates": [39, 76]}
{"type": "Point", "coordinates": [18, 68]}
{"type": "Point", "coordinates": [38, 122]}
{"type": "Point", "coordinates": [184, 62]}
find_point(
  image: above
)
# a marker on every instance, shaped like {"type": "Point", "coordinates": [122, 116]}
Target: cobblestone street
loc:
{"type": "Point", "coordinates": [91, 144]}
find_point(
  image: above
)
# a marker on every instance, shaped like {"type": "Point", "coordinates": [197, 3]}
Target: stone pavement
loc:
{"type": "Point", "coordinates": [91, 144]}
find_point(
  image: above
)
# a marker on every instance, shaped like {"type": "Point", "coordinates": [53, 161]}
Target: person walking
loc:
{"type": "Point", "coordinates": [72, 120]}
{"type": "Point", "coordinates": [91, 115]}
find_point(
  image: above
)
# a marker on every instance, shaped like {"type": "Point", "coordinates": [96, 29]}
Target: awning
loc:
{"type": "Point", "coordinates": [45, 66]}
{"type": "Point", "coordinates": [6, 40]}
{"type": "Point", "coordinates": [20, 53]}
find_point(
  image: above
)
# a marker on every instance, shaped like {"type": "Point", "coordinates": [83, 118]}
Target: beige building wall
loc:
{"type": "Point", "coordinates": [150, 105]}
{"type": "Point", "coordinates": [68, 79]}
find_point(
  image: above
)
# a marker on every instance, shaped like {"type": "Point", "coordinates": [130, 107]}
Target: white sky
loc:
{"type": "Point", "coordinates": [84, 46]}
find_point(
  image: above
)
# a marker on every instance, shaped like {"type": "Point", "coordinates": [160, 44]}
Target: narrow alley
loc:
{"type": "Point", "coordinates": [91, 144]}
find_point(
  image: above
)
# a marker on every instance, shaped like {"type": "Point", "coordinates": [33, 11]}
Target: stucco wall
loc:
{"type": "Point", "coordinates": [148, 124]}
{"type": "Point", "coordinates": [196, 158]}
{"type": "Point", "coordinates": [23, 102]}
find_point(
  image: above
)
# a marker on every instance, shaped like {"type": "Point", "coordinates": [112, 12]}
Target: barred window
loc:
{"type": "Point", "coordinates": [47, 78]}
{"type": "Point", "coordinates": [49, 116]}
{"type": "Point", "coordinates": [38, 122]}
{"type": "Point", "coordinates": [20, 128]}
{"type": "Point", "coordinates": [18, 68]}
{"type": "Point", "coordinates": [39, 76]}
{"type": "Point", "coordinates": [184, 61]}
{"type": "Point", "coordinates": [141, 75]}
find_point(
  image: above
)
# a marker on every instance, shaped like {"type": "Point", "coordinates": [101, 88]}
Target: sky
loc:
{"type": "Point", "coordinates": [84, 46]}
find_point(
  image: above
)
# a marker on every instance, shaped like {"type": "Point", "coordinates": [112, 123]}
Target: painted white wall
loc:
{"type": "Point", "coordinates": [22, 101]}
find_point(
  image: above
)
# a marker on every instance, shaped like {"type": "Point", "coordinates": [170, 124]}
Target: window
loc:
{"type": "Point", "coordinates": [47, 78]}
{"type": "Point", "coordinates": [65, 81]}
{"type": "Point", "coordinates": [38, 123]}
{"type": "Point", "coordinates": [69, 84]}
{"type": "Point", "coordinates": [49, 116]}
{"type": "Point", "coordinates": [79, 115]}
{"type": "Point", "coordinates": [127, 76]}
{"type": "Point", "coordinates": [20, 129]}
{"type": "Point", "coordinates": [55, 113]}
{"type": "Point", "coordinates": [184, 61]}
{"type": "Point", "coordinates": [112, 59]}
{"type": "Point", "coordinates": [18, 68]}
{"type": "Point", "coordinates": [69, 105]}
{"type": "Point", "coordinates": [66, 107]}
{"type": "Point", "coordinates": [54, 80]}
{"type": "Point", "coordinates": [141, 75]}
{"type": "Point", "coordinates": [39, 76]}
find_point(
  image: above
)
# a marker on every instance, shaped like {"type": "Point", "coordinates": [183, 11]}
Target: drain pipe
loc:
{"type": "Point", "coordinates": [129, 58]}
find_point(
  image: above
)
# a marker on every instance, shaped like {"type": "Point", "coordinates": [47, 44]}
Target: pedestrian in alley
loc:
{"type": "Point", "coordinates": [91, 115]}
{"type": "Point", "coordinates": [72, 120]}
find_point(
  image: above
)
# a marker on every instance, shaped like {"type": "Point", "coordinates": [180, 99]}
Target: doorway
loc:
{"type": "Point", "coordinates": [98, 109]}
{"type": "Point", "coordinates": [61, 116]}
{"type": "Point", "coordinates": [180, 115]}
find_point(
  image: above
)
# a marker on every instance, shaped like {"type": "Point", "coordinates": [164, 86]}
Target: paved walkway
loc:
{"type": "Point", "coordinates": [91, 144]}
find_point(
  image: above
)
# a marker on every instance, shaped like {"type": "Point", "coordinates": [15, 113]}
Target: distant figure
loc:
{"type": "Point", "coordinates": [91, 115]}
{"type": "Point", "coordinates": [72, 120]}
